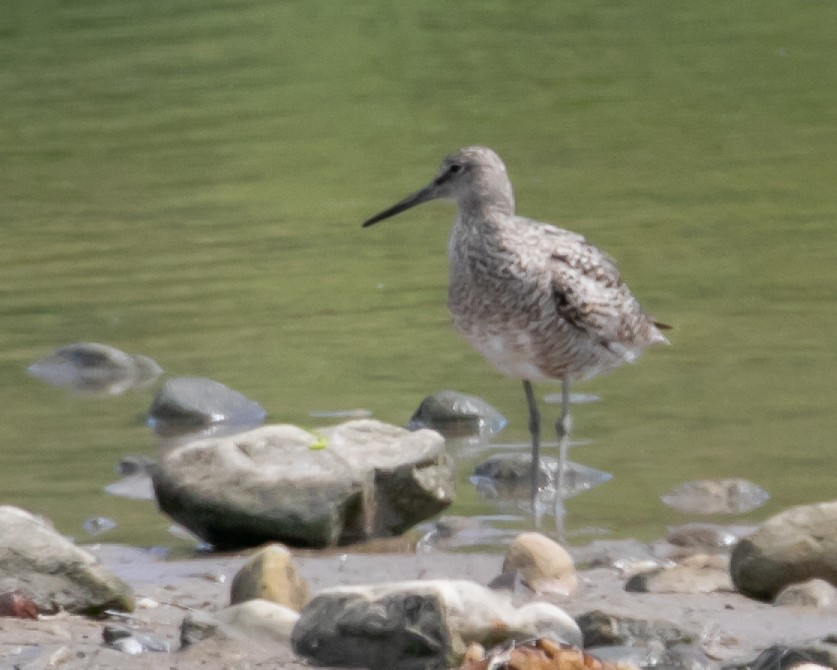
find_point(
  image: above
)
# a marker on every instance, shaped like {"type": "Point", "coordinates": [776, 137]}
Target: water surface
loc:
{"type": "Point", "coordinates": [187, 179]}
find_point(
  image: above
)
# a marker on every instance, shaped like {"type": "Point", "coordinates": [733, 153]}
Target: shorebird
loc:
{"type": "Point", "coordinates": [538, 302]}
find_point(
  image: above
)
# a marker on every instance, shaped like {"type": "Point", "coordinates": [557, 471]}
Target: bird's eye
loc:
{"type": "Point", "coordinates": [455, 168]}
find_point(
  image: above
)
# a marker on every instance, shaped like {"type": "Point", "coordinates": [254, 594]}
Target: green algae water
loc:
{"type": "Point", "coordinates": [187, 180]}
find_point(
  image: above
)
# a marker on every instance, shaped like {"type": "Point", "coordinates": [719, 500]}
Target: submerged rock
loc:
{"type": "Point", "coordinates": [96, 525]}
{"type": "Point", "coordinates": [47, 568]}
{"type": "Point", "coordinates": [194, 404]}
{"type": "Point", "coordinates": [455, 414]}
{"type": "Point", "coordinates": [351, 482]}
{"type": "Point", "coordinates": [508, 477]}
{"type": "Point", "coordinates": [136, 479]}
{"type": "Point", "coordinates": [418, 624]}
{"type": "Point", "coordinates": [794, 546]}
{"type": "Point", "coordinates": [95, 368]}
{"type": "Point", "coordinates": [716, 496]}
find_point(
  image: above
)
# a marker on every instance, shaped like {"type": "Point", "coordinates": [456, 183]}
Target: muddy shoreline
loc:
{"type": "Point", "coordinates": [727, 625]}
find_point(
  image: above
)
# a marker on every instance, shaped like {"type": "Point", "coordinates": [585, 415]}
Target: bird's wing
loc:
{"type": "Point", "coordinates": [589, 292]}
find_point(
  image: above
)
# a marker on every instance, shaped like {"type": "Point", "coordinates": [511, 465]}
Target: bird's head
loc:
{"type": "Point", "coordinates": [473, 177]}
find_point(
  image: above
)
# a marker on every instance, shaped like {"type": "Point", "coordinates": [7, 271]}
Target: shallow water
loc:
{"type": "Point", "coordinates": [186, 180]}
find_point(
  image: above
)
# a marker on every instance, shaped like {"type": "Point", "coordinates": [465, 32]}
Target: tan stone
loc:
{"type": "Point", "coordinates": [543, 563]}
{"type": "Point", "coordinates": [270, 574]}
{"type": "Point", "coordinates": [794, 546]}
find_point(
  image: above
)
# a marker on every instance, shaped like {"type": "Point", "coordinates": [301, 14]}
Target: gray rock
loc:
{"type": "Point", "coordinates": [626, 556]}
{"type": "Point", "coordinates": [704, 535]}
{"type": "Point", "coordinates": [782, 657]}
{"type": "Point", "coordinates": [794, 546]}
{"type": "Point", "coordinates": [418, 625]}
{"type": "Point", "coordinates": [716, 496]}
{"type": "Point", "coordinates": [194, 404]}
{"type": "Point", "coordinates": [455, 414]}
{"type": "Point", "coordinates": [43, 565]}
{"type": "Point", "coordinates": [601, 629]}
{"type": "Point", "coordinates": [813, 593]}
{"type": "Point", "coordinates": [359, 480]}
{"type": "Point", "coordinates": [39, 657]}
{"type": "Point", "coordinates": [198, 625]}
{"type": "Point", "coordinates": [256, 620]}
{"type": "Point", "coordinates": [681, 579]}
{"type": "Point", "coordinates": [135, 465]}
{"type": "Point", "coordinates": [95, 368]}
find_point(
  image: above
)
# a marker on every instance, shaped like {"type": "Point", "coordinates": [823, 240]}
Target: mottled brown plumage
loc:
{"type": "Point", "coordinates": [537, 301]}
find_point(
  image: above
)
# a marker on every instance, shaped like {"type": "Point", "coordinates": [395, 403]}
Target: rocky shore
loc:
{"type": "Point", "coordinates": [327, 565]}
{"type": "Point", "coordinates": [675, 603]}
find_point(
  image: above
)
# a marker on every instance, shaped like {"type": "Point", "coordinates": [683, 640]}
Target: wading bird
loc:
{"type": "Point", "coordinates": [540, 303]}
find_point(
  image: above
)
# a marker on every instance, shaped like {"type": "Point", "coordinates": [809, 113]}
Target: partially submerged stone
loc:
{"type": "Point", "coordinates": [348, 483]}
{"type": "Point", "coordinates": [418, 624]}
{"type": "Point", "coordinates": [194, 404]}
{"type": "Point", "coordinates": [794, 546]}
{"type": "Point", "coordinates": [95, 368]}
{"type": "Point", "coordinates": [455, 414]}
{"type": "Point", "coordinates": [716, 496]}
{"type": "Point", "coordinates": [44, 566]}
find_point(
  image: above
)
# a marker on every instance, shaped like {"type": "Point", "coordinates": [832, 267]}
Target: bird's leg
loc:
{"type": "Point", "coordinates": [562, 428]}
{"type": "Point", "coordinates": [535, 432]}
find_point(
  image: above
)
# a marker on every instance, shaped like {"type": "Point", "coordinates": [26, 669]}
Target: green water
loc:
{"type": "Point", "coordinates": [186, 179]}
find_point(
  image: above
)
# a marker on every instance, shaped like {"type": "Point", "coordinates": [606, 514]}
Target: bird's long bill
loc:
{"type": "Point", "coordinates": [425, 194]}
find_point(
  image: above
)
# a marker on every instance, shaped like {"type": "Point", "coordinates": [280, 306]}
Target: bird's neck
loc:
{"type": "Point", "coordinates": [488, 204]}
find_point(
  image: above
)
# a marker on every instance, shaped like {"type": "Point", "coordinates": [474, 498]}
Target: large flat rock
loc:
{"type": "Point", "coordinates": [280, 483]}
